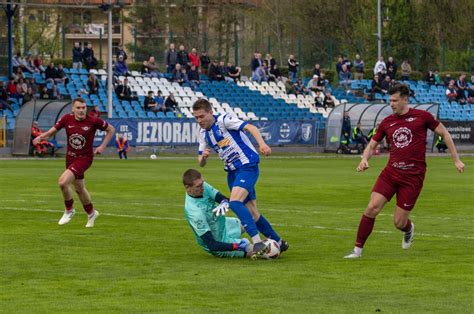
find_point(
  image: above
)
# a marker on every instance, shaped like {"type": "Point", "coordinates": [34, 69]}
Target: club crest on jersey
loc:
{"type": "Point", "coordinates": [85, 128]}
{"type": "Point", "coordinates": [402, 137]}
{"type": "Point", "coordinates": [410, 119]}
{"type": "Point", "coordinates": [77, 141]}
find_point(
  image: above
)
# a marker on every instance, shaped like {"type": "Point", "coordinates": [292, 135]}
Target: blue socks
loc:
{"type": "Point", "coordinates": [266, 228]}
{"type": "Point", "coordinates": [245, 217]}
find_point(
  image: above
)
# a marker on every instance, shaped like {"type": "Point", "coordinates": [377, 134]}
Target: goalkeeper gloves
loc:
{"type": "Point", "coordinates": [222, 209]}
{"type": "Point", "coordinates": [244, 245]}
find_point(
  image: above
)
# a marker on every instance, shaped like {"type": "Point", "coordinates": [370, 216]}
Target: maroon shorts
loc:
{"type": "Point", "coordinates": [78, 165]}
{"type": "Point", "coordinates": [406, 186]}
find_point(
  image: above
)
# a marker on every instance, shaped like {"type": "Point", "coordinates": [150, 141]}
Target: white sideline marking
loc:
{"type": "Point", "coordinates": [279, 225]}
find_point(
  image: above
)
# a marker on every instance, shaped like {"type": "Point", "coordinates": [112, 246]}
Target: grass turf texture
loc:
{"type": "Point", "coordinates": [150, 262]}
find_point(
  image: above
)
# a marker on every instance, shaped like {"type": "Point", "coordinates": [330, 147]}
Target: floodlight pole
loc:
{"type": "Point", "coordinates": [10, 11]}
{"type": "Point", "coordinates": [379, 28]}
{"type": "Point", "coordinates": [109, 63]}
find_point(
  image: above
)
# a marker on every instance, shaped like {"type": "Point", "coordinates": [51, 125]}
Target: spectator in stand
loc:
{"type": "Point", "coordinates": [61, 76]}
{"type": "Point", "coordinates": [392, 68]}
{"type": "Point", "coordinates": [451, 92]}
{"type": "Point", "coordinates": [292, 68]}
{"type": "Point", "coordinates": [121, 52]}
{"type": "Point", "coordinates": [121, 67]}
{"type": "Point", "coordinates": [50, 73]}
{"type": "Point", "coordinates": [193, 76]}
{"type": "Point", "coordinates": [214, 73]}
{"type": "Point", "coordinates": [160, 100]}
{"type": "Point", "coordinates": [93, 84]}
{"type": "Point", "coordinates": [194, 58]}
{"type": "Point", "coordinates": [329, 100]}
{"type": "Point", "coordinates": [376, 86]}
{"type": "Point", "coordinates": [38, 63]}
{"type": "Point", "coordinates": [470, 95]}
{"type": "Point", "coordinates": [313, 84]}
{"type": "Point", "coordinates": [259, 74]}
{"type": "Point", "coordinates": [29, 95]}
{"type": "Point", "coordinates": [53, 93]}
{"type": "Point", "coordinates": [178, 75]}
{"type": "Point", "coordinates": [340, 62]}
{"type": "Point", "coordinates": [205, 61]}
{"type": "Point", "coordinates": [150, 68]}
{"type": "Point", "coordinates": [88, 57]}
{"type": "Point", "coordinates": [3, 96]}
{"type": "Point", "coordinates": [233, 72]}
{"type": "Point", "coordinates": [430, 78]}
{"type": "Point", "coordinates": [461, 85]}
{"type": "Point", "coordinates": [322, 82]}
{"type": "Point", "coordinates": [77, 56]}
{"type": "Point", "coordinates": [18, 74]}
{"type": "Point", "coordinates": [183, 59]}
{"type": "Point", "coordinates": [28, 64]}
{"type": "Point", "coordinates": [171, 58]}
{"type": "Point", "coordinates": [271, 62]}
{"type": "Point", "coordinates": [346, 61]}
{"type": "Point", "coordinates": [359, 68]}
{"type": "Point", "coordinates": [11, 88]}
{"type": "Point", "coordinates": [254, 63]}
{"type": "Point", "coordinates": [406, 70]}
{"type": "Point", "coordinates": [385, 84]}
{"type": "Point", "coordinates": [437, 77]}
{"type": "Point", "coordinates": [43, 94]}
{"type": "Point", "coordinates": [447, 79]}
{"type": "Point", "coordinates": [170, 104]}
{"type": "Point", "coordinates": [345, 77]}
{"type": "Point", "coordinates": [317, 70]}
{"type": "Point", "coordinates": [300, 89]}
{"type": "Point", "coordinates": [276, 73]}
{"type": "Point", "coordinates": [94, 111]}
{"type": "Point", "coordinates": [21, 88]}
{"type": "Point", "coordinates": [124, 92]}
{"type": "Point", "coordinates": [31, 84]}
{"type": "Point", "coordinates": [380, 66]}
{"type": "Point", "coordinates": [150, 103]}
{"type": "Point", "coordinates": [17, 62]}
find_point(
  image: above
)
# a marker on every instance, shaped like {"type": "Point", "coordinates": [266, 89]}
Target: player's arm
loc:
{"type": "Point", "coordinates": [368, 152]}
{"type": "Point", "coordinates": [44, 136]}
{"type": "Point", "coordinates": [202, 157]}
{"type": "Point", "coordinates": [109, 133]}
{"type": "Point", "coordinates": [217, 246]}
{"type": "Point", "coordinates": [443, 132]}
{"type": "Point", "coordinates": [264, 148]}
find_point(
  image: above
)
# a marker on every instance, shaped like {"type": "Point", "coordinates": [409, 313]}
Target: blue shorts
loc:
{"type": "Point", "coordinates": [245, 177]}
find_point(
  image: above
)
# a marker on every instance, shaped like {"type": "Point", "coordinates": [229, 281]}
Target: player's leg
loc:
{"type": "Point", "coordinates": [65, 181]}
{"type": "Point", "coordinates": [407, 196]}
{"type": "Point", "coordinates": [237, 197]}
{"type": "Point", "coordinates": [86, 201]}
{"type": "Point", "coordinates": [367, 222]}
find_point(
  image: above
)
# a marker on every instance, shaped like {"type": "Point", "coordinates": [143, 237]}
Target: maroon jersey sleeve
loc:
{"type": "Point", "coordinates": [431, 122]}
{"type": "Point", "coordinates": [100, 124]}
{"type": "Point", "coordinates": [61, 123]}
{"type": "Point", "coordinates": [380, 133]}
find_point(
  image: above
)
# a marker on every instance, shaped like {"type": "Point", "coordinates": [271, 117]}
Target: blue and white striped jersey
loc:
{"type": "Point", "coordinates": [227, 138]}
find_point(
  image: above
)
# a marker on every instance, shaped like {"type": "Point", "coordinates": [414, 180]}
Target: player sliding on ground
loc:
{"type": "Point", "coordinates": [216, 234]}
{"type": "Point", "coordinates": [406, 131]}
{"type": "Point", "coordinates": [80, 131]}
{"type": "Point", "coordinates": [225, 134]}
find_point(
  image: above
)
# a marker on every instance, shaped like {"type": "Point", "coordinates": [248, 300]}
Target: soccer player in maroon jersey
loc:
{"type": "Point", "coordinates": [406, 131]}
{"type": "Point", "coordinates": [80, 131]}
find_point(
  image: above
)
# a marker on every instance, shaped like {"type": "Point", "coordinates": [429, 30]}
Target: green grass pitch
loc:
{"type": "Point", "coordinates": [141, 255]}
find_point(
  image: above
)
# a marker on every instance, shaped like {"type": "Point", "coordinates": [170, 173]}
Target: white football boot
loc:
{"type": "Point", "coordinates": [407, 240]}
{"type": "Point", "coordinates": [67, 216]}
{"type": "Point", "coordinates": [91, 219]}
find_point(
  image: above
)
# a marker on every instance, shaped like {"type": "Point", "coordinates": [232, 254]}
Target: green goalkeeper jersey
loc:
{"type": "Point", "coordinates": [199, 215]}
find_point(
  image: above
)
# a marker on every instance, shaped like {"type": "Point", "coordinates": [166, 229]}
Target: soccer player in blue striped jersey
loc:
{"type": "Point", "coordinates": [226, 135]}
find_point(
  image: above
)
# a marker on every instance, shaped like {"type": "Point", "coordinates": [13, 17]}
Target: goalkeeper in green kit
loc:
{"type": "Point", "coordinates": [205, 209]}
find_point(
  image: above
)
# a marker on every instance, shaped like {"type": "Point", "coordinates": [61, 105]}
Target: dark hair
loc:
{"type": "Point", "coordinates": [399, 88]}
{"type": "Point", "coordinates": [202, 104]}
{"type": "Point", "coordinates": [190, 175]}
{"type": "Point", "coordinates": [78, 99]}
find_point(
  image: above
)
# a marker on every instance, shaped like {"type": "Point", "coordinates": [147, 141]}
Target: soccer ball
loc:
{"type": "Point", "coordinates": [152, 156]}
{"type": "Point", "coordinates": [274, 249]}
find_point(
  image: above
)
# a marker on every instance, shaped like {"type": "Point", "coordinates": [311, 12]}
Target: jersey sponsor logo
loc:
{"type": "Point", "coordinates": [77, 141]}
{"type": "Point", "coordinates": [402, 137]}
{"type": "Point", "coordinates": [223, 143]}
